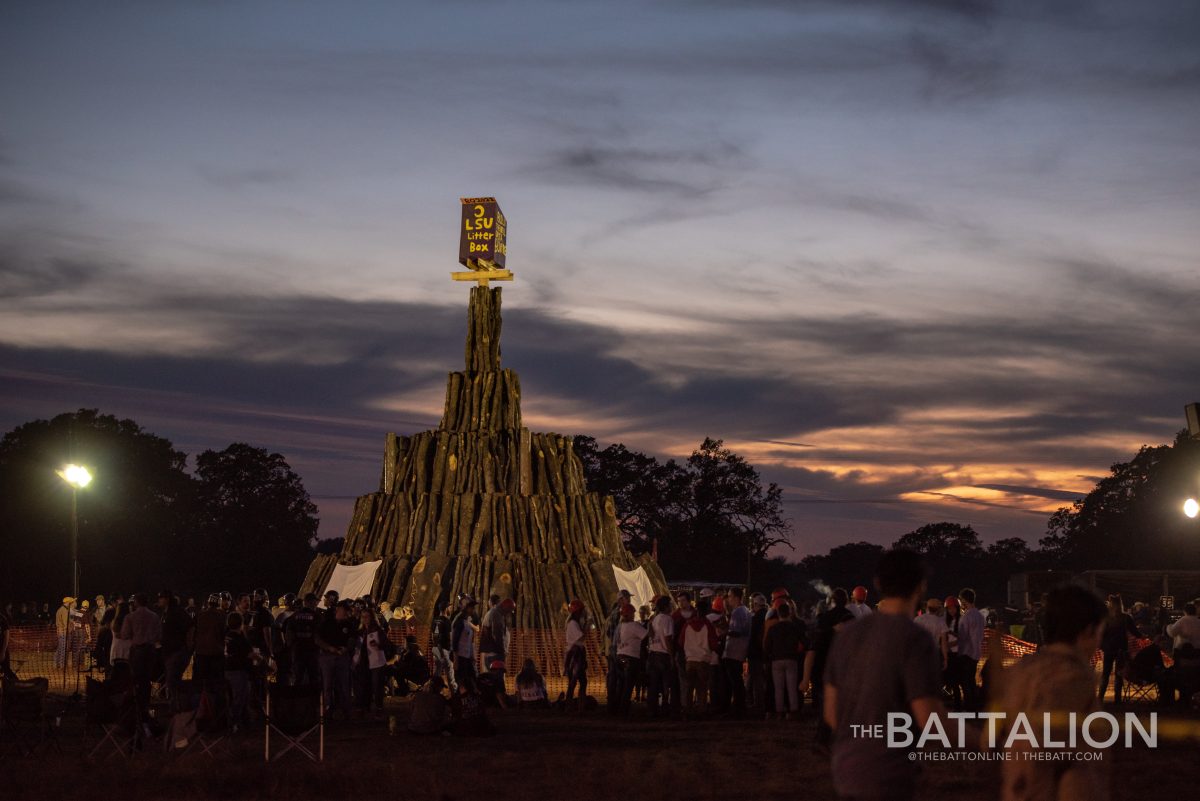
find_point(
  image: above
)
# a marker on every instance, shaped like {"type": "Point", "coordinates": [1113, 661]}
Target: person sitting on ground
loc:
{"type": "Point", "coordinates": [531, 687]}
{"type": "Point", "coordinates": [430, 711]}
{"type": "Point", "coordinates": [411, 668]}
{"type": "Point", "coordinates": [469, 718]}
{"type": "Point", "coordinates": [491, 685]}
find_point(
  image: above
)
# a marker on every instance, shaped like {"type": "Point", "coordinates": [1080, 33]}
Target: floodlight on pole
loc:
{"type": "Point", "coordinates": [1191, 507]}
{"type": "Point", "coordinates": [78, 477]}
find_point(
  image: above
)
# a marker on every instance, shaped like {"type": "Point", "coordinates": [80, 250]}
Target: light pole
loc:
{"type": "Point", "coordinates": [1191, 507]}
{"type": "Point", "coordinates": [78, 477]}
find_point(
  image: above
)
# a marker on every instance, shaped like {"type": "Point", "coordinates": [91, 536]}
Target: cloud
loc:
{"type": "Point", "coordinates": [245, 178]}
{"type": "Point", "coordinates": [1038, 492]}
{"type": "Point", "coordinates": [22, 279]}
{"type": "Point", "coordinates": [677, 172]}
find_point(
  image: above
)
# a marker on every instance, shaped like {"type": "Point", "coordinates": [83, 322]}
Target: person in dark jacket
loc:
{"type": "Point", "coordinates": [783, 649]}
{"type": "Point", "coordinates": [828, 623]}
{"type": "Point", "coordinates": [1114, 645]}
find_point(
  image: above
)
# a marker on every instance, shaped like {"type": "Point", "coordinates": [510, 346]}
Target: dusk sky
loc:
{"type": "Point", "coordinates": [918, 261]}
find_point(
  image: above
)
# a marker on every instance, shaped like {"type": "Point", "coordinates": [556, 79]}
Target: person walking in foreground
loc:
{"type": "Point", "coordinates": [1058, 679]}
{"type": "Point", "coordinates": [828, 624]}
{"type": "Point", "coordinates": [882, 663]}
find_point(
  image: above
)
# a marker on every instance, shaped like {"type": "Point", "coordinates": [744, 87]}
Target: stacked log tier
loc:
{"type": "Point", "coordinates": [513, 461]}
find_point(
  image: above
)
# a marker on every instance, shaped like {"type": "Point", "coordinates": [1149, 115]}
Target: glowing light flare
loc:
{"type": "Point", "coordinates": [1191, 507]}
{"type": "Point", "coordinates": [76, 475]}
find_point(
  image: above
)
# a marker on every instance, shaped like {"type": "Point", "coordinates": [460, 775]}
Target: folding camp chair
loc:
{"type": "Point", "coordinates": [207, 727]}
{"type": "Point", "coordinates": [1142, 673]}
{"type": "Point", "coordinates": [114, 712]}
{"type": "Point", "coordinates": [26, 726]}
{"type": "Point", "coordinates": [295, 713]}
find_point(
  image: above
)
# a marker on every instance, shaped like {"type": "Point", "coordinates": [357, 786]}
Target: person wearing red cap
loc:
{"type": "Point", "coordinates": [682, 614]}
{"type": "Point", "coordinates": [575, 661]}
{"type": "Point", "coordinates": [697, 641]}
{"type": "Point", "coordinates": [629, 637]}
{"type": "Point", "coordinates": [858, 603]}
{"type": "Point", "coordinates": [718, 697]}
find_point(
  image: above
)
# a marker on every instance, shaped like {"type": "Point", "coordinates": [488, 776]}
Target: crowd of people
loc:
{"type": "Point", "coordinates": [683, 655]}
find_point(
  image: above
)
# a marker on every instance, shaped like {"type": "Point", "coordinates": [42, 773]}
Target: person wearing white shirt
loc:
{"type": "Point", "coordinates": [575, 661]}
{"type": "Point", "coordinates": [629, 637]}
{"type": "Point", "coordinates": [1187, 629]}
{"type": "Point", "coordinates": [934, 621]}
{"type": "Point", "coordinates": [661, 678]}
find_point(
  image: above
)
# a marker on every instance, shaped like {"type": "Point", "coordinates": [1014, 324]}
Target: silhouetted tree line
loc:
{"type": "Point", "coordinates": [242, 518]}
{"type": "Point", "coordinates": [1131, 520]}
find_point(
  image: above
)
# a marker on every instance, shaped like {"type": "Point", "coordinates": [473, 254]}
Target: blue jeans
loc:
{"type": "Point", "coordinates": [335, 680]}
{"type": "Point", "coordinates": [239, 696]}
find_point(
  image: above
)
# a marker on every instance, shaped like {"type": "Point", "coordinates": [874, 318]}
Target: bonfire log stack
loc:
{"type": "Point", "coordinates": [483, 505]}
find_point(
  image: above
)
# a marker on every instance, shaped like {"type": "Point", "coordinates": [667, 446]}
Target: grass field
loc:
{"type": "Point", "coordinates": [536, 755]}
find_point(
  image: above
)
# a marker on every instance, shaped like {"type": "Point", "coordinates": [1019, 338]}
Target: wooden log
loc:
{"type": "Point", "coordinates": [388, 479]}
{"type": "Point", "coordinates": [525, 465]}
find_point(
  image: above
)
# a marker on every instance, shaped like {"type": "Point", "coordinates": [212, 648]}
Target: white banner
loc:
{"type": "Point", "coordinates": [353, 581]}
{"type": "Point", "coordinates": [638, 584]}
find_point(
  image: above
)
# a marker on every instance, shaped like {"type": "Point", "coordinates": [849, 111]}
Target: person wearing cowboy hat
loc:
{"type": "Point", "coordinates": [62, 624]}
{"type": "Point", "coordinates": [100, 608]}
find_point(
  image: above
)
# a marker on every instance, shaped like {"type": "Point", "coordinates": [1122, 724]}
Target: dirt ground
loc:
{"type": "Point", "coordinates": [536, 755]}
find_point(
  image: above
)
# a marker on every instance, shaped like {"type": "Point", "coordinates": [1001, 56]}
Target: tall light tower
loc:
{"type": "Point", "coordinates": [78, 477]}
